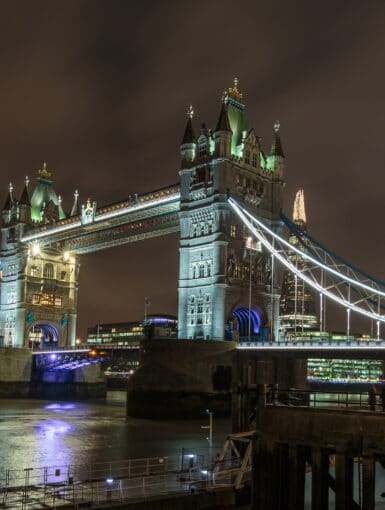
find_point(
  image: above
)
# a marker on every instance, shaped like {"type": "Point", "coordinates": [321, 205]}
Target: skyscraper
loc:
{"type": "Point", "coordinates": [297, 305]}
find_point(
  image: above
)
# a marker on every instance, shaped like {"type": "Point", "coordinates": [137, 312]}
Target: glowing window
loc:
{"type": "Point", "coordinates": [36, 299]}
{"type": "Point", "coordinates": [58, 301]}
{"type": "Point", "coordinates": [47, 298]}
{"type": "Point", "coordinates": [233, 230]}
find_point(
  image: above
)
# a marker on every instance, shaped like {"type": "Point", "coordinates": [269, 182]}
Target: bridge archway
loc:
{"type": "Point", "coordinates": [240, 317]}
{"type": "Point", "coordinates": [43, 333]}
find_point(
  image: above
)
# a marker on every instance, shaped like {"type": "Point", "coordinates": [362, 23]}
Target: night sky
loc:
{"type": "Point", "coordinates": [100, 89]}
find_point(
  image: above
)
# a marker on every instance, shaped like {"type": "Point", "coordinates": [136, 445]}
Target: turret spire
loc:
{"type": "Point", "coordinates": [276, 148]}
{"type": "Point", "coordinates": [75, 208]}
{"type": "Point", "coordinates": [25, 199]}
{"type": "Point", "coordinates": [223, 123]}
{"type": "Point", "coordinates": [9, 199]}
{"type": "Point", "coordinates": [299, 214]}
{"type": "Point", "coordinates": [189, 135]}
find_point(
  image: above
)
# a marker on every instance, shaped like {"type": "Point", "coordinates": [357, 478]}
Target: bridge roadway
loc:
{"type": "Point", "coordinates": [144, 216]}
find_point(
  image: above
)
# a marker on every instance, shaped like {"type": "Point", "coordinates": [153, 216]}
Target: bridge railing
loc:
{"type": "Point", "coordinates": [364, 401]}
{"type": "Point", "coordinates": [313, 343]}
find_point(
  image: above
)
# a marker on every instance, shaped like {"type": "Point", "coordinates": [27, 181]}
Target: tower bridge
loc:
{"type": "Point", "coordinates": [227, 209]}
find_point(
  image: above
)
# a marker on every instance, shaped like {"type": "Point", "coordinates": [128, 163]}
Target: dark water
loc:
{"type": "Point", "coordinates": [35, 433]}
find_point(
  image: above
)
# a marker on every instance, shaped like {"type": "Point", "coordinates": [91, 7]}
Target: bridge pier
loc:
{"type": "Point", "coordinates": [368, 480]}
{"type": "Point", "coordinates": [320, 479]}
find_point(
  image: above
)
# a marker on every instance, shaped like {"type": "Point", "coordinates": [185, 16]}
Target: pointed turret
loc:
{"type": "Point", "coordinates": [276, 148]}
{"type": "Point", "coordinates": [9, 199]}
{"type": "Point", "coordinates": [275, 162]}
{"type": "Point", "coordinates": [25, 204]}
{"type": "Point", "coordinates": [299, 213]}
{"type": "Point", "coordinates": [223, 123]}
{"type": "Point", "coordinates": [188, 145]}
{"type": "Point", "coordinates": [75, 208]}
{"type": "Point", "coordinates": [189, 135]}
{"type": "Point", "coordinates": [25, 199]}
{"type": "Point", "coordinates": [223, 133]}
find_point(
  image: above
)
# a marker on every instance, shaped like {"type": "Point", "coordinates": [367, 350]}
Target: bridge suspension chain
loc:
{"type": "Point", "coordinates": [362, 296]}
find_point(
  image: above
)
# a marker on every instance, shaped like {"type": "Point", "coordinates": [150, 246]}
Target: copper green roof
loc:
{"type": "Point", "coordinates": [41, 195]}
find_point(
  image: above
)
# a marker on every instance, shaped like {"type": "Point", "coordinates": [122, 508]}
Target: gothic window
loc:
{"type": "Point", "coordinates": [202, 149]}
{"type": "Point", "coordinates": [194, 230]}
{"type": "Point", "coordinates": [47, 298]}
{"type": "Point", "coordinates": [247, 157]}
{"type": "Point", "coordinates": [237, 271]}
{"type": "Point", "coordinates": [233, 230]}
{"type": "Point", "coordinates": [202, 228]}
{"type": "Point", "coordinates": [254, 160]}
{"type": "Point", "coordinates": [200, 306]}
{"type": "Point", "coordinates": [58, 300]}
{"type": "Point", "coordinates": [48, 271]}
{"type": "Point", "coordinates": [201, 270]}
{"type": "Point", "coordinates": [36, 299]}
{"type": "Point", "coordinates": [63, 275]}
{"type": "Point", "coordinates": [35, 270]}
{"type": "Point", "coordinates": [210, 227]}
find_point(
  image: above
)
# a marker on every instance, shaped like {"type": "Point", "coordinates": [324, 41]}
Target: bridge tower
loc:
{"type": "Point", "coordinates": [38, 283]}
{"type": "Point", "coordinates": [225, 282]}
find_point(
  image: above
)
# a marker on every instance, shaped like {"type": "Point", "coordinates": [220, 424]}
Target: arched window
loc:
{"type": "Point", "coordinates": [48, 271]}
{"type": "Point", "coordinates": [201, 271]}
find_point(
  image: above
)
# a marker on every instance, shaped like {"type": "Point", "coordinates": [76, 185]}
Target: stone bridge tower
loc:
{"type": "Point", "coordinates": [38, 283]}
{"type": "Point", "coordinates": [221, 269]}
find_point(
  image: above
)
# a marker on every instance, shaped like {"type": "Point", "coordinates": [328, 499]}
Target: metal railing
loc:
{"type": "Point", "coordinates": [371, 400]}
{"type": "Point", "coordinates": [312, 343]}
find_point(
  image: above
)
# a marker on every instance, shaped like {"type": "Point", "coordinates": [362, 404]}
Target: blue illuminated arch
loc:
{"type": "Point", "coordinates": [241, 313]}
{"type": "Point", "coordinates": [49, 332]}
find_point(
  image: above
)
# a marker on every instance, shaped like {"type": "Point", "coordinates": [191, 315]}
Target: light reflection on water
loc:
{"type": "Point", "coordinates": [39, 433]}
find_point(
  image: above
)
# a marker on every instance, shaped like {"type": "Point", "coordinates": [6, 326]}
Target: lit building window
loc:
{"type": "Point", "coordinates": [58, 301]}
{"type": "Point", "coordinates": [233, 230]}
{"type": "Point", "coordinates": [47, 298]}
{"type": "Point", "coordinates": [36, 299]}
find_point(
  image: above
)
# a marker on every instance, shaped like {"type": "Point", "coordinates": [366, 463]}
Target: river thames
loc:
{"type": "Point", "coordinates": [36, 433]}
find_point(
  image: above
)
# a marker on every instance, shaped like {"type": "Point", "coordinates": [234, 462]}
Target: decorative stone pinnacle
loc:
{"type": "Point", "coordinates": [26, 180]}
{"type": "Point", "coordinates": [59, 199]}
{"type": "Point", "coordinates": [76, 194]}
{"type": "Point", "coordinates": [190, 112]}
{"type": "Point", "coordinates": [234, 92]}
{"type": "Point", "coordinates": [224, 96]}
{"type": "Point", "coordinates": [44, 172]}
{"type": "Point", "coordinates": [276, 126]}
